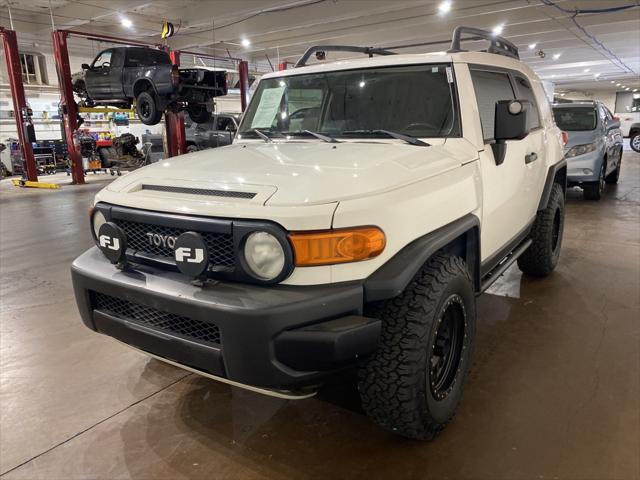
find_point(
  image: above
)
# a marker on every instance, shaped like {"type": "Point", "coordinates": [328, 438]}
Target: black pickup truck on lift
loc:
{"type": "Point", "coordinates": [118, 76]}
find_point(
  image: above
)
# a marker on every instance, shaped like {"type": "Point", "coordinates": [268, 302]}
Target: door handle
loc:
{"type": "Point", "coordinates": [532, 157]}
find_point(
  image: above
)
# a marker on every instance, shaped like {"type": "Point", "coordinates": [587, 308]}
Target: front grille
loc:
{"type": "Point", "coordinates": [220, 245]}
{"type": "Point", "coordinates": [197, 330]}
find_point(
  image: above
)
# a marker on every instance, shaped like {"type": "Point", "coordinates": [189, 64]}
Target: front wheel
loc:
{"type": "Point", "coordinates": [147, 109]}
{"type": "Point", "coordinates": [542, 256]}
{"type": "Point", "coordinates": [595, 190]}
{"type": "Point", "coordinates": [634, 141]}
{"type": "Point", "coordinates": [413, 383]}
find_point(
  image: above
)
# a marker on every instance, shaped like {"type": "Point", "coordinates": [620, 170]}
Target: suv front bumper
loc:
{"type": "Point", "coordinates": [278, 336]}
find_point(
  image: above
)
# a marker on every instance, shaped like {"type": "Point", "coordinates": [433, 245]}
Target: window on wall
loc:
{"type": "Point", "coordinates": [490, 87]}
{"type": "Point", "coordinates": [34, 71]}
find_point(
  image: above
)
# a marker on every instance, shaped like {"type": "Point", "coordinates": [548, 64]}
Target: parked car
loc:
{"type": "Point", "coordinates": [594, 149]}
{"type": "Point", "coordinates": [629, 115]}
{"type": "Point", "coordinates": [122, 75]}
{"type": "Point", "coordinates": [358, 238]}
{"type": "Point", "coordinates": [217, 132]}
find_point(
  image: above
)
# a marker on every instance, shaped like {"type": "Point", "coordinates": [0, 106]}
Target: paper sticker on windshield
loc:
{"type": "Point", "coordinates": [449, 75]}
{"type": "Point", "coordinates": [268, 107]}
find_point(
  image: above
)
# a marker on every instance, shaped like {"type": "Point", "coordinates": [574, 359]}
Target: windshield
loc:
{"type": "Point", "coordinates": [415, 100]}
{"type": "Point", "coordinates": [575, 118]}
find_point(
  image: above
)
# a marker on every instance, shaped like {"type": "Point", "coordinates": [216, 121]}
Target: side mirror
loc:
{"type": "Point", "coordinates": [85, 66]}
{"type": "Point", "coordinates": [510, 124]}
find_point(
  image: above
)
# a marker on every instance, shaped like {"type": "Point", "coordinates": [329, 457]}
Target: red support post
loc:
{"type": "Point", "coordinates": [10, 44]}
{"type": "Point", "coordinates": [282, 66]}
{"type": "Point", "coordinates": [243, 69]}
{"type": "Point", "coordinates": [68, 103]}
{"type": "Point", "coordinates": [174, 122]}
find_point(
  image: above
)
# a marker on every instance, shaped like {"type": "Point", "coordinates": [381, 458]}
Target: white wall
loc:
{"type": "Point", "coordinates": [608, 97]}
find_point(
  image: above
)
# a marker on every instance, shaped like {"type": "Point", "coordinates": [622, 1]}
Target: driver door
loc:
{"type": "Point", "coordinates": [97, 78]}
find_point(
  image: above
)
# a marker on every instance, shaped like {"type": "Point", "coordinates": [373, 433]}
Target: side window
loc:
{"type": "Point", "coordinates": [526, 93]}
{"type": "Point", "coordinates": [103, 59]}
{"type": "Point", "coordinates": [490, 87]}
{"type": "Point", "coordinates": [226, 124]}
{"type": "Point", "coordinates": [117, 58]}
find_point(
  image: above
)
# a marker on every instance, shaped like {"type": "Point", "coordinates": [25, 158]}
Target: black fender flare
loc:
{"type": "Point", "coordinates": [557, 171]}
{"type": "Point", "coordinates": [392, 278]}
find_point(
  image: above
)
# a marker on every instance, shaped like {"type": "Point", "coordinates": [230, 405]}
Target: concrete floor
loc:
{"type": "Point", "coordinates": [554, 391]}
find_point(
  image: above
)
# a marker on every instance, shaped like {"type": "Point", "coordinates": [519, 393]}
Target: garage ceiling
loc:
{"type": "Point", "coordinates": [604, 48]}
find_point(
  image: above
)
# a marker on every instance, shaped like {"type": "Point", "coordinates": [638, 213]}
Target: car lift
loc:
{"type": "Point", "coordinates": [174, 121]}
{"type": "Point", "coordinates": [20, 108]}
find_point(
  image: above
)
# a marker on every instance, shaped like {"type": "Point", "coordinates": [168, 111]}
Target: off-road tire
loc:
{"type": "Point", "coordinates": [543, 254]}
{"type": "Point", "coordinates": [614, 176]}
{"type": "Point", "coordinates": [595, 190]}
{"type": "Point", "coordinates": [634, 141]}
{"type": "Point", "coordinates": [396, 382]}
{"type": "Point", "coordinates": [198, 113]}
{"type": "Point", "coordinates": [147, 108]}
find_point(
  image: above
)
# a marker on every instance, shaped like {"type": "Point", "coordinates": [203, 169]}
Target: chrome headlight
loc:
{"type": "Point", "coordinates": [97, 220]}
{"type": "Point", "coordinates": [581, 149]}
{"type": "Point", "coordinates": [264, 255]}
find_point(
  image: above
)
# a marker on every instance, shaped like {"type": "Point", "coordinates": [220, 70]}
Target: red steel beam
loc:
{"type": "Point", "coordinates": [70, 109]}
{"type": "Point", "coordinates": [174, 122]}
{"type": "Point", "coordinates": [10, 44]}
{"type": "Point", "coordinates": [108, 38]}
{"type": "Point", "coordinates": [282, 66]}
{"type": "Point", "coordinates": [243, 69]}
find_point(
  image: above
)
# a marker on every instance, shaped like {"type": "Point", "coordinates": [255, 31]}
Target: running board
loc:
{"type": "Point", "coordinates": [284, 394]}
{"type": "Point", "coordinates": [499, 269]}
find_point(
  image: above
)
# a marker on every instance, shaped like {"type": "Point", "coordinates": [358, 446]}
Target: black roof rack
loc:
{"type": "Point", "coordinates": [371, 51]}
{"type": "Point", "coordinates": [499, 45]}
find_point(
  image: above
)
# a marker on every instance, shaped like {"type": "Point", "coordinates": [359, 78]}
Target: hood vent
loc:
{"type": "Point", "coordinates": [200, 191]}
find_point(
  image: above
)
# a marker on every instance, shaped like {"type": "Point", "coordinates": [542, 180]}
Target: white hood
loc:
{"type": "Point", "coordinates": [297, 173]}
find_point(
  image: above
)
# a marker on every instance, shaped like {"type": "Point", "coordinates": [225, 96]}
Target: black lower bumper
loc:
{"type": "Point", "coordinates": [274, 337]}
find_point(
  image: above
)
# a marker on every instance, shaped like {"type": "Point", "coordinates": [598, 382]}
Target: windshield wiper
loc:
{"type": "Point", "coordinates": [324, 138]}
{"type": "Point", "coordinates": [399, 136]}
{"type": "Point", "coordinates": [262, 135]}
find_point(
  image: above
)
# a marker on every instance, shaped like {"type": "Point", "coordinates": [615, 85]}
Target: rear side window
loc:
{"type": "Point", "coordinates": [525, 92]}
{"type": "Point", "coordinates": [146, 57]}
{"type": "Point", "coordinates": [490, 87]}
{"type": "Point", "coordinates": [575, 119]}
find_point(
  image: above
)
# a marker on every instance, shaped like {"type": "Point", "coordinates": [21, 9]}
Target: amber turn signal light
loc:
{"type": "Point", "coordinates": [337, 246]}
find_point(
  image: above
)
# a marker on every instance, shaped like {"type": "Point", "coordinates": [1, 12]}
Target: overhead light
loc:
{"type": "Point", "coordinates": [126, 23]}
{"type": "Point", "coordinates": [497, 30]}
{"type": "Point", "coordinates": [361, 84]}
{"type": "Point", "coordinates": [596, 75]}
{"type": "Point", "coordinates": [613, 81]}
{"type": "Point", "coordinates": [617, 84]}
{"type": "Point", "coordinates": [532, 46]}
{"type": "Point", "coordinates": [624, 86]}
{"type": "Point", "coordinates": [562, 94]}
{"type": "Point", "coordinates": [627, 88]}
{"type": "Point", "coordinates": [556, 56]}
{"type": "Point", "coordinates": [586, 70]}
{"type": "Point", "coordinates": [444, 7]}
{"type": "Point", "coordinates": [635, 89]}
{"type": "Point", "coordinates": [553, 76]}
{"type": "Point", "coordinates": [245, 42]}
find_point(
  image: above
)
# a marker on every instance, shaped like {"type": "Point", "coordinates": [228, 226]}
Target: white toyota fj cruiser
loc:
{"type": "Point", "coordinates": [362, 207]}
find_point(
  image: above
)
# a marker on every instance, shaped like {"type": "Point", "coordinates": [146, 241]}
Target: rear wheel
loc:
{"type": "Point", "coordinates": [192, 148]}
{"type": "Point", "coordinates": [546, 235]}
{"type": "Point", "coordinates": [198, 113]}
{"type": "Point", "coordinates": [147, 108]}
{"type": "Point", "coordinates": [595, 190]}
{"type": "Point", "coordinates": [413, 384]}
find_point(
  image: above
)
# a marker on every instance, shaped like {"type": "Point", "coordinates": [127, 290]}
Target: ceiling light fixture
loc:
{"type": "Point", "coordinates": [126, 23]}
{"type": "Point", "coordinates": [586, 70]}
{"type": "Point", "coordinates": [532, 46]}
{"type": "Point", "coordinates": [617, 84]}
{"type": "Point", "coordinates": [245, 42]}
{"type": "Point", "coordinates": [556, 56]}
{"type": "Point", "coordinates": [635, 89]}
{"type": "Point", "coordinates": [627, 88]}
{"type": "Point", "coordinates": [596, 75]}
{"type": "Point", "coordinates": [444, 7]}
{"type": "Point", "coordinates": [613, 81]}
{"type": "Point", "coordinates": [497, 30]}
